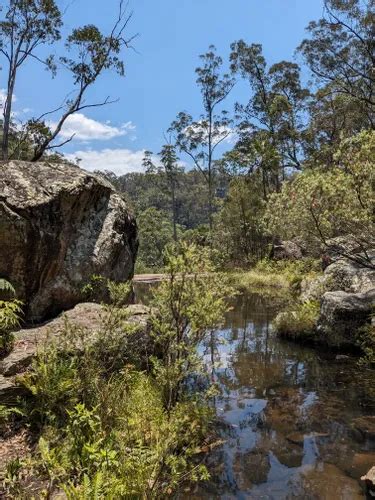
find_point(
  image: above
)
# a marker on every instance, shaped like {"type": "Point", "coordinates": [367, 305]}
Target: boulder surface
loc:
{"type": "Point", "coordinates": [59, 225]}
{"type": "Point", "coordinates": [287, 250]}
{"type": "Point", "coordinates": [342, 315]}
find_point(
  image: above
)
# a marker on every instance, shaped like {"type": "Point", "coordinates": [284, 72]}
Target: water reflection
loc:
{"type": "Point", "coordinates": [287, 414]}
{"type": "Point", "coordinates": [287, 411]}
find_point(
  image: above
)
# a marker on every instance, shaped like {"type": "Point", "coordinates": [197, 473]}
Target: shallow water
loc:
{"type": "Point", "coordinates": [287, 414]}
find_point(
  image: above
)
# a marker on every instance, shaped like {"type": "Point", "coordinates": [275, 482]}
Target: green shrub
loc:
{"type": "Point", "coordinates": [366, 341]}
{"type": "Point", "coordinates": [185, 308]}
{"type": "Point", "coordinates": [103, 289]}
{"type": "Point", "coordinates": [119, 293]}
{"type": "Point", "coordinates": [298, 321]}
{"type": "Point", "coordinates": [106, 427]}
{"type": "Point", "coordinates": [10, 316]}
{"type": "Point", "coordinates": [54, 385]}
{"type": "Point", "coordinates": [279, 277]}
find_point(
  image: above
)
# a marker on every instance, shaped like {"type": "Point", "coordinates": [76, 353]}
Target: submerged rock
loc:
{"type": "Point", "coordinates": [59, 225]}
{"type": "Point", "coordinates": [325, 481]}
{"type": "Point", "coordinates": [366, 426]}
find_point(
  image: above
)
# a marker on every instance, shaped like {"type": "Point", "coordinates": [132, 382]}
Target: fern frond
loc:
{"type": "Point", "coordinates": [5, 286]}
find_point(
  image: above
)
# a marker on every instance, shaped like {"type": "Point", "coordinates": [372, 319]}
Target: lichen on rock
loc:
{"type": "Point", "coordinates": [59, 225]}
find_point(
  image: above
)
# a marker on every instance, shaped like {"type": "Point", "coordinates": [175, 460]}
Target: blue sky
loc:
{"type": "Point", "coordinates": [160, 78]}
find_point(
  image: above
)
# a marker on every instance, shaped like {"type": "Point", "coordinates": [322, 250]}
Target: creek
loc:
{"type": "Point", "coordinates": [292, 419]}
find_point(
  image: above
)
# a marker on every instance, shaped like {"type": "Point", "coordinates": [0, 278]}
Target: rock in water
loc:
{"type": "Point", "coordinates": [343, 314]}
{"type": "Point", "coordinates": [59, 225]}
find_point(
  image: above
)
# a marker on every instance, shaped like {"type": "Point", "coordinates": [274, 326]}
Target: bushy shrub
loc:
{"type": "Point", "coordinates": [10, 316]}
{"type": "Point", "coordinates": [106, 427]}
{"type": "Point", "coordinates": [186, 307]}
{"type": "Point", "coordinates": [100, 288]}
{"type": "Point", "coordinates": [366, 342]}
{"type": "Point", "coordinates": [298, 321]}
{"type": "Point", "coordinates": [280, 276]}
{"type": "Point", "coordinates": [319, 205]}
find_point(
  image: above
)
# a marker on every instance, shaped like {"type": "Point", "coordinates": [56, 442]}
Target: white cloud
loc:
{"type": "Point", "coordinates": [119, 161]}
{"type": "Point", "coordinates": [3, 95]}
{"type": "Point", "coordinates": [87, 129]}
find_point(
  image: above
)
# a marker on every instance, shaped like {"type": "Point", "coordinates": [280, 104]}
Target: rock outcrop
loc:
{"type": "Point", "coordinates": [91, 319]}
{"type": "Point", "coordinates": [349, 276]}
{"type": "Point", "coordinates": [287, 250]}
{"type": "Point", "coordinates": [346, 292]}
{"type": "Point", "coordinates": [59, 225]}
{"type": "Point", "coordinates": [342, 315]}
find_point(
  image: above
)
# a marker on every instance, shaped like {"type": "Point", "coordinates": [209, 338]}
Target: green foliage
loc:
{"type": "Point", "coordinates": [186, 307]}
{"type": "Point", "coordinates": [106, 427]}
{"type": "Point", "coordinates": [298, 321]}
{"type": "Point", "coordinates": [26, 26]}
{"type": "Point", "coordinates": [198, 139]}
{"type": "Point", "coordinates": [155, 233]}
{"type": "Point", "coordinates": [318, 205]}
{"type": "Point", "coordinates": [119, 292]}
{"type": "Point", "coordinates": [7, 415]}
{"type": "Point", "coordinates": [95, 288]}
{"type": "Point", "coordinates": [54, 385]}
{"type": "Point", "coordinates": [6, 286]}
{"type": "Point", "coordinates": [338, 52]}
{"type": "Point", "coordinates": [125, 443]}
{"type": "Point", "coordinates": [10, 317]}
{"type": "Point", "coordinates": [277, 277]}
{"type": "Point", "coordinates": [271, 122]}
{"type": "Point", "coordinates": [103, 289]}
{"type": "Point", "coordinates": [12, 482]}
{"type": "Point", "coordinates": [239, 234]}
{"type": "Point", "coordinates": [366, 341]}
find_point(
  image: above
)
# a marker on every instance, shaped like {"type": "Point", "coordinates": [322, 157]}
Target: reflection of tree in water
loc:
{"type": "Point", "coordinates": [285, 408]}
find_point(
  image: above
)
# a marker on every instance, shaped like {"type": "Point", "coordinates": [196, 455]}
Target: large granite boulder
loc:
{"type": "Point", "coordinates": [343, 314]}
{"type": "Point", "coordinates": [287, 250]}
{"type": "Point", "coordinates": [349, 276]}
{"type": "Point", "coordinates": [342, 275]}
{"type": "Point", "coordinates": [348, 246]}
{"type": "Point", "coordinates": [59, 225]}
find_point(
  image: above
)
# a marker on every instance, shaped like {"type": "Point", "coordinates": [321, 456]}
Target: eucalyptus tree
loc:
{"type": "Point", "coordinates": [271, 123]}
{"type": "Point", "coordinates": [199, 139]}
{"type": "Point", "coordinates": [165, 176]}
{"type": "Point", "coordinates": [340, 52]}
{"type": "Point", "coordinates": [26, 26]}
{"type": "Point", "coordinates": [147, 162]}
{"type": "Point", "coordinates": [172, 171]}
{"type": "Point", "coordinates": [90, 53]}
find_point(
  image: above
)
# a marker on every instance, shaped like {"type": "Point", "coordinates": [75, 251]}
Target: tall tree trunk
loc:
{"type": "Point", "coordinates": [8, 114]}
{"type": "Point", "coordinates": [210, 194]}
{"type": "Point", "coordinates": [174, 212]}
